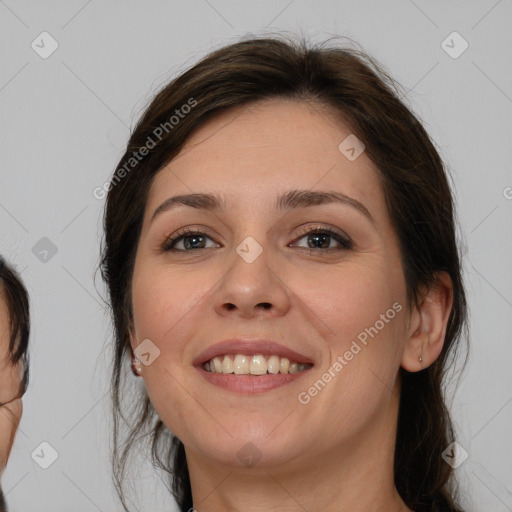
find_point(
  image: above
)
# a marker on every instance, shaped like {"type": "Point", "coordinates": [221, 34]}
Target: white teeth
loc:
{"type": "Point", "coordinates": [241, 364]}
{"type": "Point", "coordinates": [258, 365]}
{"type": "Point", "coordinates": [273, 364]}
{"type": "Point", "coordinates": [217, 365]}
{"type": "Point", "coordinates": [228, 365]}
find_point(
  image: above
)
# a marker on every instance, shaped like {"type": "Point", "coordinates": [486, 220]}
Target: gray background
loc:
{"type": "Point", "coordinates": [65, 120]}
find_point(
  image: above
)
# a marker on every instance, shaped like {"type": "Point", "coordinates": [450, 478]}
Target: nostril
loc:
{"type": "Point", "coordinates": [265, 305]}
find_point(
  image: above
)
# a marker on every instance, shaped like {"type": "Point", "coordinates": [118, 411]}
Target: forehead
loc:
{"type": "Point", "coordinates": [260, 150]}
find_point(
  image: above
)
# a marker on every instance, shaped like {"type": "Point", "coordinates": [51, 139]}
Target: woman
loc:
{"type": "Point", "coordinates": [283, 271]}
{"type": "Point", "coordinates": [14, 334]}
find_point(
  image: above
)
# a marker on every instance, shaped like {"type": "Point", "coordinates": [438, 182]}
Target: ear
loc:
{"type": "Point", "coordinates": [427, 324]}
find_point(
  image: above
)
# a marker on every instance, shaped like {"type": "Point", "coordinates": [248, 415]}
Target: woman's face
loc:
{"type": "Point", "coordinates": [255, 274]}
{"type": "Point", "coordinates": [10, 382]}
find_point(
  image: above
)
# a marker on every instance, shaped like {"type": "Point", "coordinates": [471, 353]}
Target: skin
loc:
{"type": "Point", "coordinates": [341, 443]}
{"type": "Point", "coordinates": [10, 381]}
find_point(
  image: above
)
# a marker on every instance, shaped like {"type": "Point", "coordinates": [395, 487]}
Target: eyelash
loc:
{"type": "Point", "coordinates": [345, 242]}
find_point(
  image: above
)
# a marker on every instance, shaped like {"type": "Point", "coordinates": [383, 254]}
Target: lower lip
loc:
{"type": "Point", "coordinates": [250, 383]}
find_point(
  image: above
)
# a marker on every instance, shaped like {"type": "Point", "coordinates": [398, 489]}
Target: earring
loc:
{"type": "Point", "coordinates": [136, 368]}
{"type": "Point", "coordinates": [421, 359]}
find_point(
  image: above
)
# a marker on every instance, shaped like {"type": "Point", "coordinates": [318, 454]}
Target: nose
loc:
{"type": "Point", "coordinates": [250, 289]}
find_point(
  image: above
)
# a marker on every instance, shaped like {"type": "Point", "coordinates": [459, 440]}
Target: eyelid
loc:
{"type": "Point", "coordinates": [325, 227]}
{"type": "Point", "coordinates": [306, 229]}
{"type": "Point", "coordinates": [183, 232]}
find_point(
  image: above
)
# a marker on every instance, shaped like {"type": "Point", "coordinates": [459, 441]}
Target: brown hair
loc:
{"type": "Point", "coordinates": [418, 198]}
{"type": "Point", "coordinates": [13, 291]}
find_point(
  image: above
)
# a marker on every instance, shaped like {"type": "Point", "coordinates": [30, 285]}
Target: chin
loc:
{"type": "Point", "coordinates": [250, 452]}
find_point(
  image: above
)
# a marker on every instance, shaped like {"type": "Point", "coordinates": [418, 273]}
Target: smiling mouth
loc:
{"type": "Point", "coordinates": [254, 365]}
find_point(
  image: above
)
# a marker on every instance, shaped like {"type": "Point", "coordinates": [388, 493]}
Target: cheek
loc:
{"type": "Point", "coordinates": [10, 416]}
{"type": "Point", "coordinates": [364, 314]}
{"type": "Point", "coordinates": [361, 310]}
{"type": "Point", "coordinates": [166, 307]}
{"type": "Point", "coordinates": [349, 299]}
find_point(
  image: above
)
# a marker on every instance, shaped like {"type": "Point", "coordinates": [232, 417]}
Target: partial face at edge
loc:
{"type": "Point", "coordinates": [320, 296]}
{"type": "Point", "coordinates": [10, 382]}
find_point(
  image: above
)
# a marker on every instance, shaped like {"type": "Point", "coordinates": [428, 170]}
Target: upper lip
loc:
{"type": "Point", "coordinates": [249, 347]}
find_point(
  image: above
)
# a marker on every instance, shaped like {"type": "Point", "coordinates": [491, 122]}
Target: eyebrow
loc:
{"type": "Point", "coordinates": [289, 200]}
